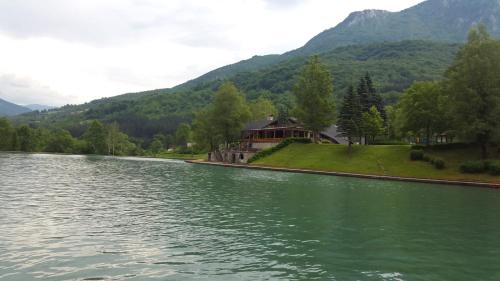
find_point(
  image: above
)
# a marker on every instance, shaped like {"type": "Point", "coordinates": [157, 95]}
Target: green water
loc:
{"type": "Point", "coordinates": [96, 218]}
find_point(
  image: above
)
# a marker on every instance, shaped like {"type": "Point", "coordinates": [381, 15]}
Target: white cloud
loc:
{"type": "Point", "coordinates": [87, 49]}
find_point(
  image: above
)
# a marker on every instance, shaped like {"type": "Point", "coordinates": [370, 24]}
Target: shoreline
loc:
{"type": "Point", "coordinates": [351, 175]}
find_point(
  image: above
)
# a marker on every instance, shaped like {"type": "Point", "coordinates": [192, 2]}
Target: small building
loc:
{"type": "Point", "coordinates": [268, 133]}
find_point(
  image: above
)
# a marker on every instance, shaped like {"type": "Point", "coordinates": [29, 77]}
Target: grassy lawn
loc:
{"type": "Point", "coordinates": [182, 156]}
{"type": "Point", "coordinates": [391, 160]}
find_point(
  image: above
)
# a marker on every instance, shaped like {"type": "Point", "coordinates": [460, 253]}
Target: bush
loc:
{"type": "Point", "coordinates": [474, 167]}
{"type": "Point", "coordinates": [427, 158]}
{"type": "Point", "coordinates": [494, 168]}
{"type": "Point", "coordinates": [281, 145]}
{"type": "Point", "coordinates": [418, 147]}
{"type": "Point", "coordinates": [439, 163]}
{"type": "Point", "coordinates": [416, 155]}
{"type": "Point", "coordinates": [389, 142]}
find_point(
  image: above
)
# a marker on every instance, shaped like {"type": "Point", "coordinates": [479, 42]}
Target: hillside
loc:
{"type": "Point", "coordinates": [11, 109]}
{"type": "Point", "coordinates": [367, 41]}
{"type": "Point", "coordinates": [394, 66]}
{"type": "Point", "coordinates": [433, 20]}
{"type": "Point", "coordinates": [376, 160]}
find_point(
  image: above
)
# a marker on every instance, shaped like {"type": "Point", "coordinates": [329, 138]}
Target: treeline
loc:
{"type": "Point", "coordinates": [97, 139]}
{"type": "Point", "coordinates": [463, 106]}
{"type": "Point", "coordinates": [394, 66]}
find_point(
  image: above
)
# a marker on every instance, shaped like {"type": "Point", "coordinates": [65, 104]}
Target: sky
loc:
{"type": "Point", "coordinates": [57, 52]}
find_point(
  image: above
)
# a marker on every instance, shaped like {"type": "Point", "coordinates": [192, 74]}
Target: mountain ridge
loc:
{"type": "Point", "coordinates": [11, 109]}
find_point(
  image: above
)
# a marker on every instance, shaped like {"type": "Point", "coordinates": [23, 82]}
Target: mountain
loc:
{"type": "Point", "coordinates": [446, 21]}
{"type": "Point", "coordinates": [11, 109]}
{"type": "Point", "coordinates": [39, 107]}
{"type": "Point", "coordinates": [393, 66]}
{"type": "Point", "coordinates": [397, 48]}
{"type": "Point", "coordinates": [433, 20]}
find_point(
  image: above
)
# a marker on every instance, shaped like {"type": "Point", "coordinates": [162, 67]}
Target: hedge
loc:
{"type": "Point", "coordinates": [416, 155]}
{"type": "Point", "coordinates": [266, 152]}
{"type": "Point", "coordinates": [474, 167]}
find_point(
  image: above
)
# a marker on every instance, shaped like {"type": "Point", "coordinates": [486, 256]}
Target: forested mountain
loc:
{"type": "Point", "coordinates": [433, 20]}
{"type": "Point", "coordinates": [11, 109]}
{"type": "Point", "coordinates": [39, 107]}
{"type": "Point", "coordinates": [393, 66]}
{"type": "Point", "coordinates": [368, 41]}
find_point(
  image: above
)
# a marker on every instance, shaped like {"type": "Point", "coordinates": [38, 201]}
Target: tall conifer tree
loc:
{"type": "Point", "coordinates": [350, 116]}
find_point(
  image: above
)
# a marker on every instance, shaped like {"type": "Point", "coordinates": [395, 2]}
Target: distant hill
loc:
{"type": "Point", "coordinates": [39, 107]}
{"type": "Point", "coordinates": [11, 109]}
{"type": "Point", "coordinates": [432, 20]}
{"type": "Point", "coordinates": [393, 66]}
{"type": "Point", "coordinates": [397, 49]}
{"type": "Point", "coordinates": [445, 21]}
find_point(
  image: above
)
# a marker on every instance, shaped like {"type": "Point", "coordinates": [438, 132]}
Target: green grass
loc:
{"type": "Point", "coordinates": [390, 160]}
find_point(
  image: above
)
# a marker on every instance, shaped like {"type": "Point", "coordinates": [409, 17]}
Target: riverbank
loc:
{"type": "Point", "coordinates": [374, 162]}
{"type": "Point", "coordinates": [352, 175]}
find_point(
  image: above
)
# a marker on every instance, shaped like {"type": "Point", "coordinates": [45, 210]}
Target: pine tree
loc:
{"type": "Point", "coordinates": [375, 99]}
{"type": "Point", "coordinates": [350, 116]}
{"type": "Point", "coordinates": [364, 95]}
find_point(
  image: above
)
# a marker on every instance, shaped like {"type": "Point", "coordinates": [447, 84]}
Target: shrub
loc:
{"type": "Point", "coordinates": [427, 158]}
{"type": "Point", "coordinates": [389, 142]}
{"type": "Point", "coordinates": [416, 155]}
{"type": "Point", "coordinates": [473, 167]}
{"type": "Point", "coordinates": [439, 163]}
{"type": "Point", "coordinates": [418, 147]}
{"type": "Point", "coordinates": [494, 168]}
{"type": "Point", "coordinates": [281, 145]}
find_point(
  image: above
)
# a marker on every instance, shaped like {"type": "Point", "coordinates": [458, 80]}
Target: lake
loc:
{"type": "Point", "coordinates": [105, 218]}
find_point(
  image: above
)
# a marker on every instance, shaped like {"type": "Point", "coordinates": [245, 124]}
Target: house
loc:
{"type": "Point", "coordinates": [268, 133]}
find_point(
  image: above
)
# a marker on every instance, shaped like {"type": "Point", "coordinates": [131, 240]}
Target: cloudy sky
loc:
{"type": "Point", "coordinates": [57, 52]}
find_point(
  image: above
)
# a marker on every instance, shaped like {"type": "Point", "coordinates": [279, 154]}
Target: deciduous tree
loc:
{"type": "Point", "coordinates": [314, 97]}
{"type": "Point", "coordinates": [473, 84]}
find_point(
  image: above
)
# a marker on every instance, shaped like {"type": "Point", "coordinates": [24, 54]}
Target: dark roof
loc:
{"type": "Point", "coordinates": [333, 134]}
{"type": "Point", "coordinates": [256, 125]}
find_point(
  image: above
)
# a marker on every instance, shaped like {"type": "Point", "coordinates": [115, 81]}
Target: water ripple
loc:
{"type": "Point", "coordinates": [106, 218]}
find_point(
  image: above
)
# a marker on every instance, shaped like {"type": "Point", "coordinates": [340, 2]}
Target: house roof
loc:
{"type": "Point", "coordinates": [333, 134]}
{"type": "Point", "coordinates": [256, 125]}
{"type": "Point", "coordinates": [262, 124]}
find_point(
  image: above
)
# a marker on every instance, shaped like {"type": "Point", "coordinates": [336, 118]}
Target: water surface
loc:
{"type": "Point", "coordinates": [101, 218]}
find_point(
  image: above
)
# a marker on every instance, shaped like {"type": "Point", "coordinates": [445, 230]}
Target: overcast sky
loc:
{"type": "Point", "coordinates": [57, 52]}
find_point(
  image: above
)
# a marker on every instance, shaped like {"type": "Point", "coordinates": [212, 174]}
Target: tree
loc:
{"type": "Point", "coordinates": [372, 123]}
{"type": "Point", "coordinates": [314, 97]}
{"type": "Point", "coordinates": [283, 113]}
{"type": "Point", "coordinates": [374, 97]}
{"type": "Point", "coordinates": [262, 108]}
{"type": "Point", "coordinates": [422, 109]}
{"type": "Point", "coordinates": [95, 136]}
{"type": "Point", "coordinates": [27, 138]}
{"type": "Point", "coordinates": [349, 120]}
{"type": "Point", "coordinates": [6, 135]}
{"type": "Point", "coordinates": [61, 141]}
{"type": "Point", "coordinates": [113, 138]}
{"type": "Point", "coordinates": [230, 113]}
{"type": "Point", "coordinates": [204, 130]}
{"type": "Point", "coordinates": [473, 86]}
{"type": "Point", "coordinates": [156, 146]}
{"type": "Point", "coordinates": [183, 134]}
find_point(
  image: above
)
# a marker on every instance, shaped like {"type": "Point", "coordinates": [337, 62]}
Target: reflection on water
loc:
{"type": "Point", "coordinates": [102, 218]}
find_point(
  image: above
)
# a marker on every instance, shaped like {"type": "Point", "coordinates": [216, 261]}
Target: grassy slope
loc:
{"type": "Point", "coordinates": [375, 160]}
